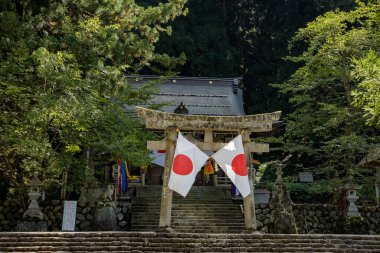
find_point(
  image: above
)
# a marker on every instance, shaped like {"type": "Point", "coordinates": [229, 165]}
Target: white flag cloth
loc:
{"type": "Point", "coordinates": [232, 161]}
{"type": "Point", "coordinates": [188, 161]}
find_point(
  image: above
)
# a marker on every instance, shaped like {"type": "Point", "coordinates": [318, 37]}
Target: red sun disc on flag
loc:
{"type": "Point", "coordinates": [239, 165]}
{"type": "Point", "coordinates": [182, 165]}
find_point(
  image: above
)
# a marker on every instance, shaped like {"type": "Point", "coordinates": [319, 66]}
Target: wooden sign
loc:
{"type": "Point", "coordinates": [69, 215]}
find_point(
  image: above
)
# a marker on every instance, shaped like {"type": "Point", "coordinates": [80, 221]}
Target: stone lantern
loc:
{"type": "Point", "coordinates": [36, 191]}
{"type": "Point", "coordinates": [352, 197]}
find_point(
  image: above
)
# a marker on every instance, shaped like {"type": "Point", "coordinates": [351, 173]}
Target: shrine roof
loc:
{"type": "Point", "coordinates": [200, 95]}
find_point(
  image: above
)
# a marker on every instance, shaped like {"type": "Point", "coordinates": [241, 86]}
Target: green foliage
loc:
{"type": "Point", "coordinates": [263, 29]}
{"type": "Point", "coordinates": [318, 192]}
{"type": "Point", "coordinates": [204, 35]}
{"type": "Point", "coordinates": [265, 173]}
{"type": "Point", "coordinates": [367, 95]}
{"type": "Point", "coordinates": [367, 192]}
{"type": "Point", "coordinates": [62, 85]}
{"type": "Point", "coordinates": [325, 133]}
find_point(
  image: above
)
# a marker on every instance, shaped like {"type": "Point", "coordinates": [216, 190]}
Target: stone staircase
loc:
{"type": "Point", "coordinates": [136, 242]}
{"type": "Point", "coordinates": [204, 210]}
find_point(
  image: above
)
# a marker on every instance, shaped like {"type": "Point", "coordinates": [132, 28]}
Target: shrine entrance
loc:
{"type": "Point", "coordinates": [215, 131]}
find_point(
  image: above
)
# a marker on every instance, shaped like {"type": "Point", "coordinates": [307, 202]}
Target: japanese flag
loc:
{"type": "Point", "coordinates": [232, 161]}
{"type": "Point", "coordinates": [188, 161]}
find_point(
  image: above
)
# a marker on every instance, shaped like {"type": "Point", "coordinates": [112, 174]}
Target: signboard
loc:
{"type": "Point", "coordinates": [306, 177]}
{"type": "Point", "coordinates": [261, 196]}
{"type": "Point", "coordinates": [69, 215]}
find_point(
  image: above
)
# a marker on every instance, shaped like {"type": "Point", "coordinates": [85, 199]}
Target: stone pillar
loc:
{"type": "Point", "coordinates": [167, 194]}
{"type": "Point", "coordinates": [214, 179]}
{"type": "Point", "coordinates": [249, 202]}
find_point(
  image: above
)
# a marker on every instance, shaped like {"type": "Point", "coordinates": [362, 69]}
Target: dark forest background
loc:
{"type": "Point", "coordinates": [248, 38]}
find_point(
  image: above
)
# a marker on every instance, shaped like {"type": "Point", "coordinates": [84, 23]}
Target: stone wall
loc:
{"type": "Point", "coordinates": [324, 219]}
{"type": "Point", "coordinates": [310, 219]}
{"type": "Point", "coordinates": [11, 213]}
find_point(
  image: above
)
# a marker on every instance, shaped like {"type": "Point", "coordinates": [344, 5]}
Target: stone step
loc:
{"type": "Point", "coordinates": [160, 248]}
{"type": "Point", "coordinates": [199, 213]}
{"type": "Point", "coordinates": [210, 220]}
{"type": "Point", "coordinates": [191, 207]}
{"type": "Point", "coordinates": [195, 221]}
{"type": "Point", "coordinates": [192, 219]}
{"type": "Point", "coordinates": [82, 236]}
{"type": "Point", "coordinates": [128, 236]}
{"type": "Point", "coordinates": [205, 196]}
{"type": "Point", "coordinates": [204, 208]}
{"type": "Point", "coordinates": [187, 217]}
{"type": "Point", "coordinates": [224, 211]}
{"type": "Point", "coordinates": [196, 203]}
{"type": "Point", "coordinates": [184, 242]}
{"type": "Point", "coordinates": [185, 214]}
{"type": "Point", "coordinates": [191, 228]}
{"type": "Point", "coordinates": [196, 212]}
{"type": "Point", "coordinates": [196, 191]}
{"type": "Point", "coordinates": [194, 229]}
{"type": "Point", "coordinates": [198, 230]}
{"type": "Point", "coordinates": [186, 225]}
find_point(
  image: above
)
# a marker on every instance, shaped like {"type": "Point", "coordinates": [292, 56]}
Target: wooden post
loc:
{"type": "Point", "coordinates": [64, 185]}
{"type": "Point", "coordinates": [208, 138]}
{"type": "Point", "coordinates": [249, 203]}
{"type": "Point", "coordinates": [107, 174]}
{"type": "Point", "coordinates": [167, 194]}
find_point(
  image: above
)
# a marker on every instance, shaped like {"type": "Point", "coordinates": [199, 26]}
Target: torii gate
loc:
{"type": "Point", "coordinates": [169, 122]}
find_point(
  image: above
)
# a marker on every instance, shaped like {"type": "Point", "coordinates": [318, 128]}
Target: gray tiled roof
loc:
{"type": "Point", "coordinates": [207, 96]}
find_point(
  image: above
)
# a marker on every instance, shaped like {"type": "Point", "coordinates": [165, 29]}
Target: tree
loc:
{"type": "Point", "coordinates": [206, 38]}
{"type": "Point", "coordinates": [367, 95]}
{"type": "Point", "coordinates": [63, 85]}
{"type": "Point", "coordinates": [262, 30]}
{"type": "Point", "coordinates": [324, 131]}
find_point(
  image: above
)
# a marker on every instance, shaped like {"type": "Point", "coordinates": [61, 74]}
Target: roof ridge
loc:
{"type": "Point", "coordinates": [190, 95]}
{"type": "Point", "coordinates": [186, 78]}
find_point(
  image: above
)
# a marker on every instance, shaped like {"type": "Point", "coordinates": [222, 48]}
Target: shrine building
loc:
{"type": "Point", "coordinates": [209, 113]}
{"type": "Point", "coordinates": [199, 95]}
{"type": "Point", "coordinates": [194, 96]}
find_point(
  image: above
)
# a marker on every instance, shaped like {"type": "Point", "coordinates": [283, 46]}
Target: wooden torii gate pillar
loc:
{"type": "Point", "coordinates": [167, 194]}
{"type": "Point", "coordinates": [249, 201]}
{"type": "Point", "coordinates": [170, 122]}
